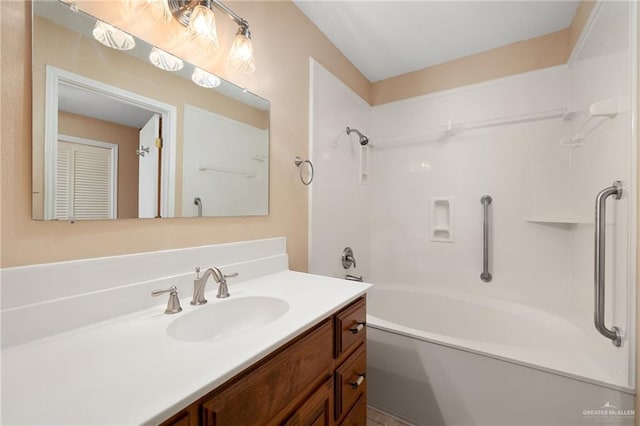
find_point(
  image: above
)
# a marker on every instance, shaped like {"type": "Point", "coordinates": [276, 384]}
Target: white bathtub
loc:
{"type": "Point", "coordinates": [437, 358]}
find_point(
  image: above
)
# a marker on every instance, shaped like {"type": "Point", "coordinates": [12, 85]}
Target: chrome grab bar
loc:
{"type": "Point", "coordinates": [485, 275]}
{"type": "Point", "coordinates": [600, 232]}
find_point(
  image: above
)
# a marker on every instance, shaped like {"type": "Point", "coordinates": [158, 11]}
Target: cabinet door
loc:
{"type": "Point", "coordinates": [187, 417]}
{"type": "Point", "coordinates": [316, 410]}
{"type": "Point", "coordinates": [358, 414]}
{"type": "Point", "coordinates": [257, 396]}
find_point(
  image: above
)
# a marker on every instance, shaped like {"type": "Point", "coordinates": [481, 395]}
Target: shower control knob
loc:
{"type": "Point", "coordinates": [348, 260]}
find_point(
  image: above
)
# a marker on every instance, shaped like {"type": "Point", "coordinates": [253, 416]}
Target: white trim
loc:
{"type": "Point", "coordinates": [311, 135]}
{"type": "Point", "coordinates": [55, 77]}
{"type": "Point", "coordinates": [633, 198]}
{"type": "Point", "coordinates": [114, 166]}
{"type": "Point", "coordinates": [584, 34]}
{"type": "Point", "coordinates": [50, 142]}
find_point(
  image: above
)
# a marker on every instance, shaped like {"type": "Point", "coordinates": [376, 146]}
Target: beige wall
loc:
{"type": "Point", "coordinates": [127, 140]}
{"type": "Point", "coordinates": [537, 53]}
{"type": "Point", "coordinates": [579, 21]}
{"type": "Point", "coordinates": [284, 39]}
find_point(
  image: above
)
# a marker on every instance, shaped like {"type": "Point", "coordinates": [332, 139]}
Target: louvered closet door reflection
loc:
{"type": "Point", "coordinates": [84, 182]}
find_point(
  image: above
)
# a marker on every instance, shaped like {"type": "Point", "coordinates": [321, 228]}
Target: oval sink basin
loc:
{"type": "Point", "coordinates": [228, 318]}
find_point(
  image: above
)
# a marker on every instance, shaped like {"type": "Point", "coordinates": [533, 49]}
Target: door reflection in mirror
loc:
{"type": "Point", "coordinates": [80, 107]}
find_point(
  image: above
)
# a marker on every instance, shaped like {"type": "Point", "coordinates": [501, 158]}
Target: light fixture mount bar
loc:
{"type": "Point", "coordinates": [230, 13]}
{"type": "Point", "coordinates": [181, 10]}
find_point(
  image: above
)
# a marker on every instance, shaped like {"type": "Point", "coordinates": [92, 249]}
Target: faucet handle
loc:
{"type": "Point", "coordinates": [173, 305]}
{"type": "Point", "coordinates": [223, 289]}
{"type": "Point", "coordinates": [197, 272]}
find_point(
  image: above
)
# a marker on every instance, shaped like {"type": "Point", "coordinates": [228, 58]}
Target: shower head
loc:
{"type": "Point", "coordinates": [363, 139]}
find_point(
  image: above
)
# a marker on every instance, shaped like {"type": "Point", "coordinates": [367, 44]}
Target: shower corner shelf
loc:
{"type": "Point", "coordinates": [553, 220]}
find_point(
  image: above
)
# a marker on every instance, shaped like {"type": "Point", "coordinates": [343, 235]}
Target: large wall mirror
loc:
{"type": "Point", "coordinates": [115, 136]}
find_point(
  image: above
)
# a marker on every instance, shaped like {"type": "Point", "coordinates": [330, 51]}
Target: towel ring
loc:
{"type": "Point", "coordinates": [300, 162]}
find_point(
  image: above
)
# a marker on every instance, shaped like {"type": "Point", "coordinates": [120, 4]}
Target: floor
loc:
{"type": "Point", "coordinates": [378, 418]}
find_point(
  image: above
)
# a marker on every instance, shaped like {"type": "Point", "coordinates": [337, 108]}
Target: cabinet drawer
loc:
{"type": "Point", "coordinates": [259, 394]}
{"type": "Point", "coordinates": [351, 382]}
{"type": "Point", "coordinates": [351, 326]}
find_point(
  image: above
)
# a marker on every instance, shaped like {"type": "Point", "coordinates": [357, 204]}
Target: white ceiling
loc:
{"type": "Point", "coordinates": [90, 104]}
{"type": "Point", "coordinates": [388, 38]}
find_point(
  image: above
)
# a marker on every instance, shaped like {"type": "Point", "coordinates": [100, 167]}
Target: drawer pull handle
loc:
{"type": "Point", "coordinates": [357, 383]}
{"type": "Point", "coordinates": [357, 328]}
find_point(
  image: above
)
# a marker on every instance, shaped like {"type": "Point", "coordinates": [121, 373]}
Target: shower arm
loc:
{"type": "Point", "coordinates": [356, 131]}
{"type": "Point", "coordinates": [363, 139]}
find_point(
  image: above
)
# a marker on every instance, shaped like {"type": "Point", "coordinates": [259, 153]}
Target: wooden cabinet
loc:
{"type": "Point", "coordinates": [317, 410]}
{"type": "Point", "coordinates": [316, 379]}
{"type": "Point", "coordinates": [262, 393]}
{"type": "Point", "coordinates": [358, 414]}
{"type": "Point", "coordinates": [186, 417]}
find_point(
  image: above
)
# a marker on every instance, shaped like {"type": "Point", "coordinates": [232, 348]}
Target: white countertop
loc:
{"type": "Point", "coordinates": [129, 371]}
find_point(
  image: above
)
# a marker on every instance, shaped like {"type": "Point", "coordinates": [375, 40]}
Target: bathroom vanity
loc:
{"type": "Point", "coordinates": [319, 378]}
{"type": "Point", "coordinates": [284, 348]}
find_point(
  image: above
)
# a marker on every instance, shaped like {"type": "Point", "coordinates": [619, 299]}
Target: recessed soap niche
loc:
{"type": "Point", "coordinates": [441, 213]}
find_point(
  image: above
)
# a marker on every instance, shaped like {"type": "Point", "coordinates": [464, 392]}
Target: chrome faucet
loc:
{"type": "Point", "coordinates": [200, 282]}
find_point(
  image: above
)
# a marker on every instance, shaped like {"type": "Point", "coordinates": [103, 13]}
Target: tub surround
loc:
{"type": "Point", "coordinates": [120, 366]}
{"type": "Point", "coordinates": [483, 361]}
{"type": "Point", "coordinates": [493, 328]}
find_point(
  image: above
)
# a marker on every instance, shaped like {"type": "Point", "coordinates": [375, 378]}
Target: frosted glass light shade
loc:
{"type": "Point", "coordinates": [202, 24]}
{"type": "Point", "coordinates": [205, 79]}
{"type": "Point", "coordinates": [165, 61]}
{"type": "Point", "coordinates": [113, 37]}
{"type": "Point", "coordinates": [160, 10]}
{"type": "Point", "coordinates": [241, 54]}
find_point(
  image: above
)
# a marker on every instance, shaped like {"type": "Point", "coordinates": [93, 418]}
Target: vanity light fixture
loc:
{"type": "Point", "coordinates": [165, 61]}
{"type": "Point", "coordinates": [241, 54]}
{"type": "Point", "coordinates": [198, 17]}
{"type": "Point", "coordinates": [205, 79]}
{"type": "Point", "coordinates": [113, 37]}
{"type": "Point", "coordinates": [202, 24]}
